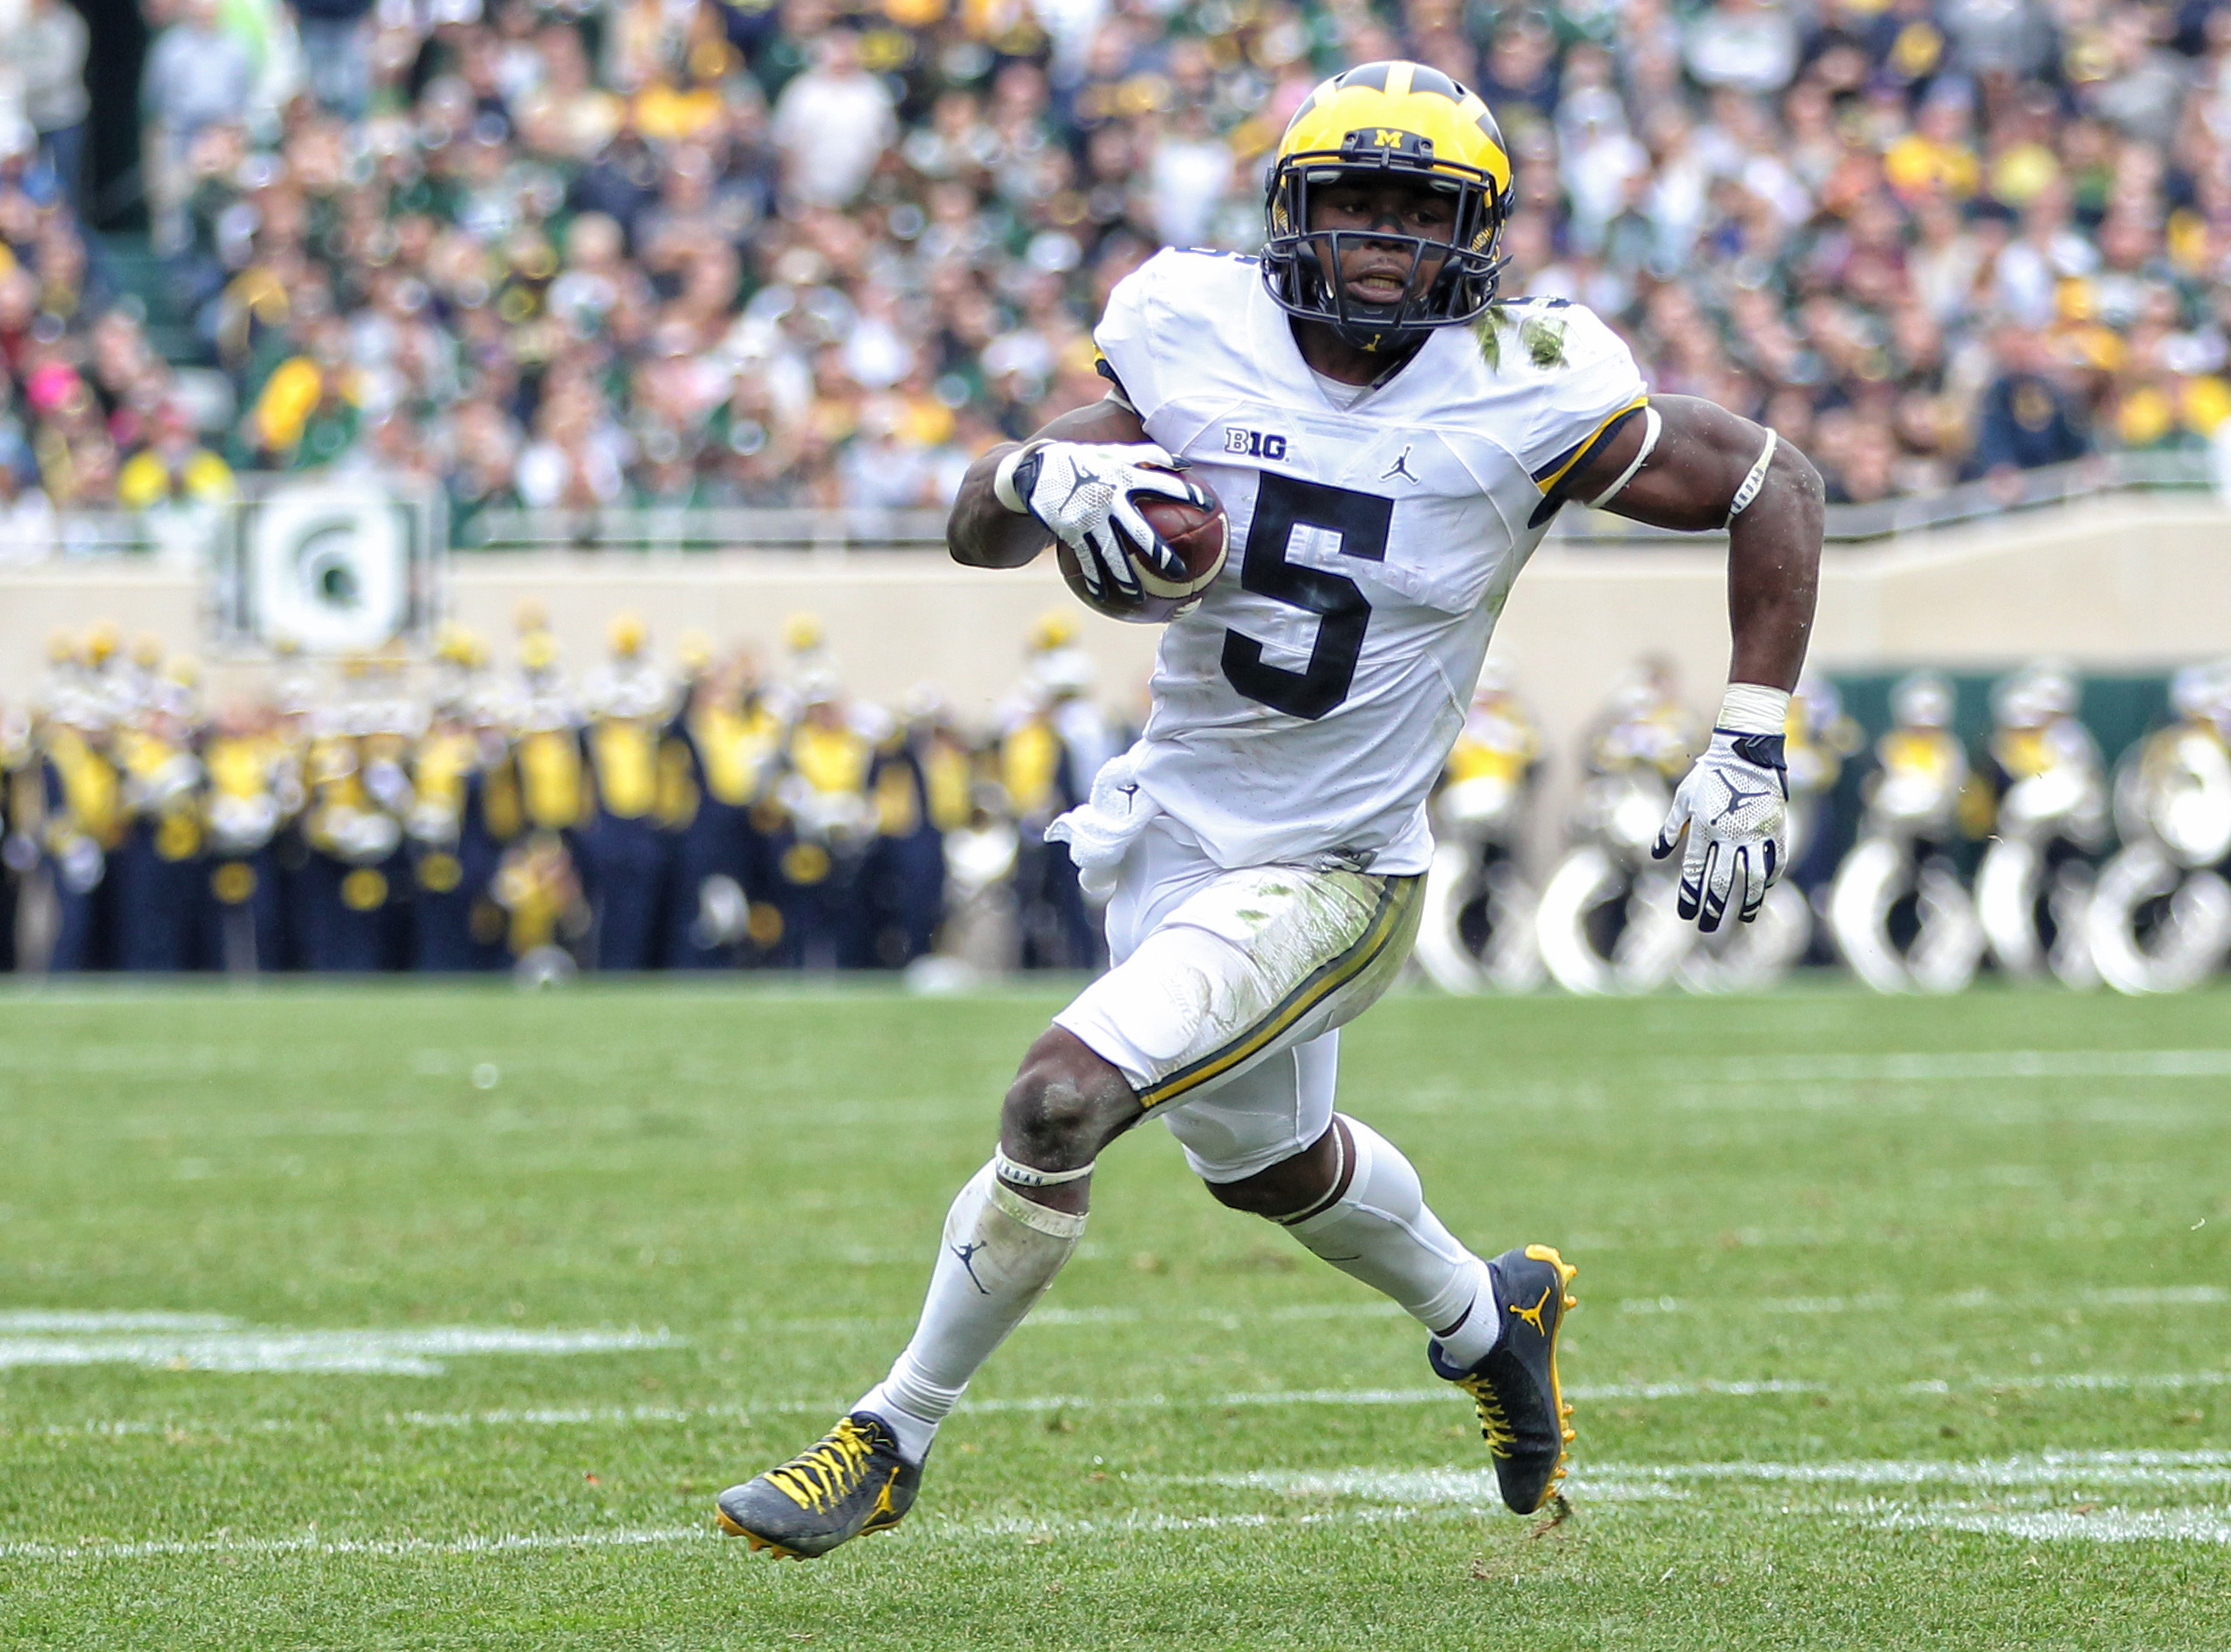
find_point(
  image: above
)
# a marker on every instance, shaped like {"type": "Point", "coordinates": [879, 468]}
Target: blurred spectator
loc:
{"type": "Point", "coordinates": [28, 530]}
{"type": "Point", "coordinates": [199, 76]}
{"type": "Point", "coordinates": [1750, 45]}
{"type": "Point", "coordinates": [336, 36]}
{"type": "Point", "coordinates": [2026, 418]}
{"type": "Point", "coordinates": [174, 468]}
{"type": "Point", "coordinates": [45, 49]}
{"type": "Point", "coordinates": [832, 124]}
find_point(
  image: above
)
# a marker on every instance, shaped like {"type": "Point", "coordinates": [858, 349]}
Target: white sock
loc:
{"type": "Point", "coordinates": [1382, 1232]}
{"type": "Point", "coordinates": [1000, 1252]}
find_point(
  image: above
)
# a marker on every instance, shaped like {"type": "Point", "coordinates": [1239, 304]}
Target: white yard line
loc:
{"type": "Point", "coordinates": [2067, 1525]}
{"type": "Point", "coordinates": [1389, 1495]}
{"type": "Point", "coordinates": [1467, 1488]}
{"type": "Point", "coordinates": [2076, 1471]}
{"type": "Point", "coordinates": [1922, 1067]}
{"type": "Point", "coordinates": [397, 1353]}
{"type": "Point", "coordinates": [1006, 1526]}
{"type": "Point", "coordinates": [33, 1321]}
{"type": "Point", "coordinates": [2104, 1381]}
{"type": "Point", "coordinates": [566, 1416]}
{"type": "Point", "coordinates": [391, 1548]}
{"type": "Point", "coordinates": [2143, 1296]}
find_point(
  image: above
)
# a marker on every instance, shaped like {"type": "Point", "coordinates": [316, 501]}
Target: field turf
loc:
{"type": "Point", "coordinates": [435, 1317]}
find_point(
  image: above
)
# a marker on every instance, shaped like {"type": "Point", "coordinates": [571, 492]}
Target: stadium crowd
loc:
{"type": "Point", "coordinates": [709, 251]}
{"type": "Point", "coordinates": [636, 815]}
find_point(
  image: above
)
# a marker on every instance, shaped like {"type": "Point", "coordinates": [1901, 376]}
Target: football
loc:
{"type": "Point", "coordinates": [1198, 536]}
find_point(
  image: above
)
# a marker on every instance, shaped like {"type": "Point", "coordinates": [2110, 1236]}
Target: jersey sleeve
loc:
{"type": "Point", "coordinates": [1589, 388]}
{"type": "Point", "coordinates": [1123, 343]}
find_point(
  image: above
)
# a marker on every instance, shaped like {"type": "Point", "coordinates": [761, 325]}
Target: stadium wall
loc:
{"type": "Point", "coordinates": [2127, 584]}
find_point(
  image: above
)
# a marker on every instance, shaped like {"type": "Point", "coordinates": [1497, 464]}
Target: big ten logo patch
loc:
{"type": "Point", "coordinates": [1256, 444]}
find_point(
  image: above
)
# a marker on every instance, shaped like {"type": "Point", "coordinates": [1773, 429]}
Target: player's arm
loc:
{"type": "Point", "coordinates": [1698, 470]}
{"type": "Point", "coordinates": [1694, 467]}
{"type": "Point", "coordinates": [1080, 480]}
{"type": "Point", "coordinates": [984, 533]}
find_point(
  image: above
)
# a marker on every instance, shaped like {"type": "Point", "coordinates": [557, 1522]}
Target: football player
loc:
{"type": "Point", "coordinates": [1389, 441]}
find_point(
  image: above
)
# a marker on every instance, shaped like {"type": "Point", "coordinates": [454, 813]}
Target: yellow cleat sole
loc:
{"type": "Point", "coordinates": [729, 1528]}
{"type": "Point", "coordinates": [1565, 1272]}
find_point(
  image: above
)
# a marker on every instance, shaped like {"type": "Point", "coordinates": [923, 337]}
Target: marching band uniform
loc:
{"type": "Point", "coordinates": [642, 788]}
{"type": "Point", "coordinates": [160, 895]}
{"type": "Point", "coordinates": [723, 875]}
{"type": "Point", "coordinates": [2037, 738]}
{"type": "Point", "coordinates": [1820, 737]}
{"type": "Point", "coordinates": [85, 822]}
{"type": "Point", "coordinates": [1921, 774]}
{"type": "Point", "coordinates": [923, 786]}
{"type": "Point", "coordinates": [1646, 727]}
{"type": "Point", "coordinates": [820, 835]}
{"type": "Point", "coordinates": [254, 789]}
{"type": "Point", "coordinates": [351, 900]}
{"type": "Point", "coordinates": [1056, 930]}
{"type": "Point", "coordinates": [1499, 743]}
{"type": "Point", "coordinates": [19, 811]}
{"type": "Point", "coordinates": [443, 892]}
{"type": "Point", "coordinates": [539, 879]}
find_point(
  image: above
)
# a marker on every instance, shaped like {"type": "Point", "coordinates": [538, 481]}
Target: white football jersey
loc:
{"type": "Point", "coordinates": [1305, 707]}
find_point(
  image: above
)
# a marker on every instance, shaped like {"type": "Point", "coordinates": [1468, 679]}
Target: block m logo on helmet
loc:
{"type": "Point", "coordinates": [1389, 138]}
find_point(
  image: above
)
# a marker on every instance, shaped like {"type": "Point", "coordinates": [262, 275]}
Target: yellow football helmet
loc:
{"type": "Point", "coordinates": [1403, 120]}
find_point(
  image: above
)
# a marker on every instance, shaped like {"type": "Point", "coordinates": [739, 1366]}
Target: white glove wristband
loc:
{"type": "Point", "coordinates": [1003, 479]}
{"type": "Point", "coordinates": [1752, 707]}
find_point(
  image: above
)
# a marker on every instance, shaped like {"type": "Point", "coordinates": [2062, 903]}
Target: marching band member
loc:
{"type": "Point", "coordinates": [254, 789]}
{"type": "Point", "coordinates": [725, 879]}
{"type": "Point", "coordinates": [641, 787]}
{"type": "Point", "coordinates": [923, 789]}
{"type": "Point", "coordinates": [84, 822]}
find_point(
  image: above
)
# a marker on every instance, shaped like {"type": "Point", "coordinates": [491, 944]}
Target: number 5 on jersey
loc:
{"type": "Point", "coordinates": [1285, 506]}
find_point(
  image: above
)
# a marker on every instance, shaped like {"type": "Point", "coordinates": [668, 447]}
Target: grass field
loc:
{"type": "Point", "coordinates": [431, 1317]}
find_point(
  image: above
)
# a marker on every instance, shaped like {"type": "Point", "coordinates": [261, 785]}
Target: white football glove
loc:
{"type": "Point", "coordinates": [1735, 804]}
{"type": "Point", "coordinates": [1086, 494]}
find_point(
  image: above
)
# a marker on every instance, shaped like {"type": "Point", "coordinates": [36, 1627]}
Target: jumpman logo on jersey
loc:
{"type": "Point", "coordinates": [967, 1254]}
{"type": "Point", "coordinates": [1532, 1316]}
{"type": "Point", "coordinates": [1399, 468]}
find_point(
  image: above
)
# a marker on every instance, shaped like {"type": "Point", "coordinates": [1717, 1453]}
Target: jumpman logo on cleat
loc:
{"type": "Point", "coordinates": [967, 1254]}
{"type": "Point", "coordinates": [1532, 1315]}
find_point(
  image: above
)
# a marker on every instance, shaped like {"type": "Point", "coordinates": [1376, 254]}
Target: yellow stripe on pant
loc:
{"type": "Point", "coordinates": [1393, 918]}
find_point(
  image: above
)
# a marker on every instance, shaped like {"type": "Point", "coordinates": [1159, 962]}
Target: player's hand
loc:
{"type": "Point", "coordinates": [1735, 804]}
{"type": "Point", "coordinates": [1086, 494]}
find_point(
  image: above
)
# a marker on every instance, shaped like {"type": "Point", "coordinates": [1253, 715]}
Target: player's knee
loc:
{"type": "Point", "coordinates": [1065, 1105]}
